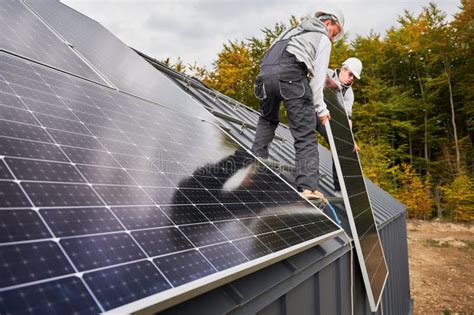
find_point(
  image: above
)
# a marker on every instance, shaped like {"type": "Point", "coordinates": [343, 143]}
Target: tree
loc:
{"type": "Point", "coordinates": [414, 106]}
{"type": "Point", "coordinates": [459, 197]}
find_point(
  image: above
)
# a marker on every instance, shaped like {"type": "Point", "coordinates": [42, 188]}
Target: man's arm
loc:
{"type": "Point", "coordinates": [319, 76]}
{"type": "Point", "coordinates": [348, 102]}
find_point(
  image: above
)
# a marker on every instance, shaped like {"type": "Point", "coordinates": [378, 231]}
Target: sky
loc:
{"type": "Point", "coordinates": [195, 30]}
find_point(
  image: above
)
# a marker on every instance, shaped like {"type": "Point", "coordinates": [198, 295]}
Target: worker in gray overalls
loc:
{"type": "Point", "coordinates": [293, 70]}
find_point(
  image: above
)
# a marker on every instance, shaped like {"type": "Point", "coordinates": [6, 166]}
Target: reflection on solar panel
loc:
{"type": "Point", "coordinates": [121, 65]}
{"type": "Point", "coordinates": [111, 201]}
{"type": "Point", "coordinates": [356, 200]}
{"type": "Point", "coordinates": [24, 34]}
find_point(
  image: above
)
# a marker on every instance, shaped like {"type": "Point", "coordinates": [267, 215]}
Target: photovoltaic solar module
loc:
{"type": "Point", "coordinates": [356, 200]}
{"type": "Point", "coordinates": [116, 61]}
{"type": "Point", "coordinates": [110, 202]}
{"type": "Point", "coordinates": [24, 34]}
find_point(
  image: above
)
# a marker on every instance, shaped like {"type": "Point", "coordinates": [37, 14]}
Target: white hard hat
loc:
{"type": "Point", "coordinates": [355, 65]}
{"type": "Point", "coordinates": [335, 14]}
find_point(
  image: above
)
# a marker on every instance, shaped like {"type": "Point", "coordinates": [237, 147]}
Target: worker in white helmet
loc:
{"type": "Point", "coordinates": [342, 80]}
{"type": "Point", "coordinates": [344, 77]}
{"type": "Point", "coordinates": [293, 71]}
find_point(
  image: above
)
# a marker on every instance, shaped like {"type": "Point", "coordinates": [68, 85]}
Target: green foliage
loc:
{"type": "Point", "coordinates": [414, 107]}
{"type": "Point", "coordinates": [237, 65]}
{"type": "Point", "coordinates": [413, 192]}
{"type": "Point", "coordinates": [459, 198]}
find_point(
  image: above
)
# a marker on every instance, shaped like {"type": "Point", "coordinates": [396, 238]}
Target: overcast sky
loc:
{"type": "Point", "coordinates": [195, 30]}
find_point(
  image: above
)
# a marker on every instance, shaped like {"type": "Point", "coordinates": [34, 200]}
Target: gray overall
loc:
{"type": "Point", "coordinates": [283, 78]}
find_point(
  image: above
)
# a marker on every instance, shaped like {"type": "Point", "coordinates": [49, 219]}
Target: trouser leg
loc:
{"type": "Point", "coordinates": [268, 93]}
{"type": "Point", "coordinates": [263, 137]}
{"type": "Point", "coordinates": [301, 120]}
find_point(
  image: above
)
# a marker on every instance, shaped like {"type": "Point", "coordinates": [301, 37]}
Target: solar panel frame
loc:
{"type": "Point", "coordinates": [339, 116]}
{"type": "Point", "coordinates": [34, 193]}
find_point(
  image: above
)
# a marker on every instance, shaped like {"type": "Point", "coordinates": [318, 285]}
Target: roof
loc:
{"type": "Point", "coordinates": [241, 121]}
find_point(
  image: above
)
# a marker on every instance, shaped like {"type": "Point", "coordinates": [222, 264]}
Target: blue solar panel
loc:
{"type": "Point", "coordinates": [134, 218]}
{"type": "Point", "coordinates": [224, 256]}
{"type": "Point", "coordinates": [20, 115]}
{"type": "Point", "coordinates": [252, 247]}
{"type": "Point", "coordinates": [12, 196]}
{"type": "Point", "coordinates": [180, 214]}
{"type": "Point", "coordinates": [109, 190]}
{"type": "Point", "coordinates": [92, 252]}
{"type": "Point", "coordinates": [162, 241]}
{"type": "Point", "coordinates": [203, 234]}
{"type": "Point", "coordinates": [4, 173]}
{"type": "Point", "coordinates": [273, 241]}
{"type": "Point", "coordinates": [123, 284]}
{"type": "Point", "coordinates": [289, 236]}
{"type": "Point", "coordinates": [21, 225]}
{"type": "Point", "coordinates": [184, 267]}
{"type": "Point", "coordinates": [64, 296]}
{"type": "Point", "coordinates": [216, 212]}
{"type": "Point", "coordinates": [104, 51]}
{"type": "Point", "coordinates": [80, 221]}
{"type": "Point", "coordinates": [233, 229]}
{"type": "Point", "coordinates": [44, 171]}
{"type": "Point", "coordinates": [31, 149]}
{"type": "Point", "coordinates": [24, 34]}
{"type": "Point", "coordinates": [60, 195]}
{"type": "Point", "coordinates": [356, 200]}
{"type": "Point", "coordinates": [30, 262]}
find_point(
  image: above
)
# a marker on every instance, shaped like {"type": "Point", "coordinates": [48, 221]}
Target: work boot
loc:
{"type": "Point", "coordinates": [312, 194]}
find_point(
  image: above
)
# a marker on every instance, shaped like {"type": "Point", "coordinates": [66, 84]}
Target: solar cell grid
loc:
{"type": "Point", "coordinates": [80, 221]}
{"type": "Point", "coordinates": [224, 255]}
{"type": "Point", "coordinates": [105, 52]}
{"type": "Point", "coordinates": [273, 241]}
{"type": "Point", "coordinates": [23, 131]}
{"type": "Point", "coordinates": [64, 296]}
{"type": "Point", "coordinates": [233, 229]}
{"type": "Point", "coordinates": [184, 214]}
{"type": "Point", "coordinates": [30, 262]}
{"type": "Point", "coordinates": [119, 285]}
{"type": "Point", "coordinates": [11, 101]}
{"type": "Point", "coordinates": [184, 267]}
{"type": "Point", "coordinates": [141, 217]}
{"type": "Point", "coordinates": [357, 202]}
{"type": "Point", "coordinates": [252, 247]}
{"type": "Point", "coordinates": [92, 252]}
{"type": "Point", "coordinates": [24, 34]}
{"type": "Point", "coordinates": [21, 225]}
{"type": "Point", "coordinates": [162, 241]}
{"type": "Point", "coordinates": [106, 205]}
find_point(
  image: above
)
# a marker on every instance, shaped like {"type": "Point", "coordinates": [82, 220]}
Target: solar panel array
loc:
{"type": "Point", "coordinates": [23, 34]}
{"type": "Point", "coordinates": [281, 150]}
{"type": "Point", "coordinates": [106, 198]}
{"type": "Point", "coordinates": [356, 199]}
{"type": "Point", "coordinates": [120, 65]}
